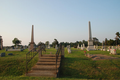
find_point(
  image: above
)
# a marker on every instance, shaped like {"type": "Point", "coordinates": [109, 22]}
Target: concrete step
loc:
{"type": "Point", "coordinates": [49, 60]}
{"type": "Point", "coordinates": [47, 63]}
{"type": "Point", "coordinates": [49, 57]}
{"type": "Point", "coordinates": [42, 73]}
{"type": "Point", "coordinates": [45, 67]}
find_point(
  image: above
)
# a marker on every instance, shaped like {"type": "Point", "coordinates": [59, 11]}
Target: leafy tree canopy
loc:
{"type": "Point", "coordinates": [16, 41]}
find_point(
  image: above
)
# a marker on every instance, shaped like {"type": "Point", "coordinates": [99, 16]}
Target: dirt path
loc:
{"type": "Point", "coordinates": [100, 57]}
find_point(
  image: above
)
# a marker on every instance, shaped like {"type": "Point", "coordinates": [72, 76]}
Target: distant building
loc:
{"type": "Point", "coordinates": [1, 43]}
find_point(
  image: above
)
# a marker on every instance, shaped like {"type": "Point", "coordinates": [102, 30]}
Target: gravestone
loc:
{"type": "Point", "coordinates": [48, 46]}
{"type": "Point", "coordinates": [113, 51]}
{"type": "Point", "coordinates": [6, 48]}
{"type": "Point", "coordinates": [83, 46]}
{"type": "Point", "coordinates": [112, 47]}
{"type": "Point", "coordinates": [90, 41]}
{"type": "Point", "coordinates": [119, 47]}
{"type": "Point", "coordinates": [103, 45]}
{"type": "Point", "coordinates": [2, 54]}
{"type": "Point", "coordinates": [56, 47]}
{"type": "Point", "coordinates": [16, 47]}
{"type": "Point", "coordinates": [78, 46]}
{"type": "Point", "coordinates": [14, 50]}
{"type": "Point", "coordinates": [94, 46]}
{"type": "Point", "coordinates": [10, 53]}
{"type": "Point", "coordinates": [24, 47]}
{"type": "Point", "coordinates": [28, 47]}
{"type": "Point", "coordinates": [1, 43]}
{"type": "Point", "coordinates": [104, 49]}
{"type": "Point", "coordinates": [68, 48]}
{"type": "Point", "coordinates": [32, 44]}
{"type": "Point", "coordinates": [108, 48]}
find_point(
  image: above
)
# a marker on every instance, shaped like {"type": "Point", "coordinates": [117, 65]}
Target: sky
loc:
{"type": "Point", "coordinates": [64, 20]}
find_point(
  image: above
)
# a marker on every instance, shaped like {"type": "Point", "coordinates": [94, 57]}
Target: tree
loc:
{"type": "Point", "coordinates": [40, 43]}
{"type": "Point", "coordinates": [95, 41]}
{"type": "Point", "coordinates": [106, 41]}
{"type": "Point", "coordinates": [111, 42]}
{"type": "Point", "coordinates": [117, 37]}
{"type": "Point", "coordinates": [55, 42]}
{"type": "Point", "coordinates": [116, 40]}
{"type": "Point", "coordinates": [85, 42]}
{"type": "Point", "coordinates": [16, 41]}
{"type": "Point", "coordinates": [118, 34]}
{"type": "Point", "coordinates": [47, 43]}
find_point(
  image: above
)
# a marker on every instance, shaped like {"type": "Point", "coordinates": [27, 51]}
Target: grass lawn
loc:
{"type": "Point", "coordinates": [75, 66]}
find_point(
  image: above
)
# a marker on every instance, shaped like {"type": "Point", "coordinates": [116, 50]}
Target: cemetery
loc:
{"type": "Point", "coordinates": [59, 39]}
{"type": "Point", "coordinates": [45, 62]}
{"type": "Point", "coordinates": [75, 65]}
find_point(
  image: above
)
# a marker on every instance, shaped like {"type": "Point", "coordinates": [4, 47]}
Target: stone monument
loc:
{"type": "Point", "coordinates": [32, 44]}
{"type": "Point", "coordinates": [90, 41]}
{"type": "Point", "coordinates": [2, 54]}
{"type": "Point", "coordinates": [103, 45]}
{"type": "Point", "coordinates": [78, 46]}
{"type": "Point", "coordinates": [1, 43]}
{"type": "Point", "coordinates": [83, 46]}
{"type": "Point", "coordinates": [56, 46]}
{"type": "Point", "coordinates": [96, 47]}
{"type": "Point", "coordinates": [48, 47]}
{"type": "Point", "coordinates": [68, 48]}
{"type": "Point", "coordinates": [113, 51]}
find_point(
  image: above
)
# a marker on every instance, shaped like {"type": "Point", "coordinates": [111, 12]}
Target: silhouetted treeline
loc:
{"type": "Point", "coordinates": [75, 44]}
{"type": "Point", "coordinates": [95, 42]}
{"type": "Point", "coordinates": [111, 42]}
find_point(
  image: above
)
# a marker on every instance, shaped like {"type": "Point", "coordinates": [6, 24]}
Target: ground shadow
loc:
{"type": "Point", "coordinates": [67, 71]}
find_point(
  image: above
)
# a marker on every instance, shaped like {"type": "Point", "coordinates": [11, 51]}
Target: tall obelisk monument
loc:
{"type": "Point", "coordinates": [90, 41]}
{"type": "Point", "coordinates": [90, 35]}
{"type": "Point", "coordinates": [32, 39]}
{"type": "Point", "coordinates": [1, 43]}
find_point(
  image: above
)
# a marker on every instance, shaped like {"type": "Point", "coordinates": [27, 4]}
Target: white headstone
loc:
{"type": "Point", "coordinates": [97, 47]}
{"type": "Point", "coordinates": [69, 50]}
{"type": "Point", "coordinates": [48, 46]}
{"type": "Point", "coordinates": [94, 46]}
{"type": "Point", "coordinates": [83, 45]}
{"type": "Point", "coordinates": [78, 46]}
{"type": "Point", "coordinates": [56, 47]}
{"type": "Point", "coordinates": [113, 51]}
{"type": "Point", "coordinates": [112, 47]}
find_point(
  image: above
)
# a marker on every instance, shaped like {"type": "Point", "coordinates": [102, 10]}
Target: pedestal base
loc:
{"type": "Point", "coordinates": [90, 48]}
{"type": "Point", "coordinates": [90, 45]}
{"type": "Point", "coordinates": [31, 47]}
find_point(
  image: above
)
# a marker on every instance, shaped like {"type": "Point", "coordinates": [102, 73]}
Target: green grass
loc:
{"type": "Point", "coordinates": [75, 66]}
{"type": "Point", "coordinates": [15, 65]}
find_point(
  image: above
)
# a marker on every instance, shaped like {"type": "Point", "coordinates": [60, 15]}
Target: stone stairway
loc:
{"type": "Point", "coordinates": [46, 66]}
